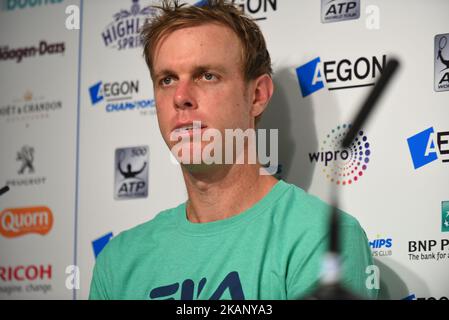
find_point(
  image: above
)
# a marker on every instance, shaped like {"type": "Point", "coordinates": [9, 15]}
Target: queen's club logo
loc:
{"type": "Point", "coordinates": [343, 166]}
{"type": "Point", "coordinates": [441, 62]}
{"type": "Point", "coordinates": [26, 157]}
{"type": "Point", "coordinates": [131, 172]}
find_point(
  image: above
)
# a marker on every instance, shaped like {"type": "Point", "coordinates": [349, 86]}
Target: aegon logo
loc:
{"type": "Point", "coordinates": [119, 96]}
{"type": "Point", "coordinates": [113, 91]}
{"type": "Point", "coordinates": [257, 9]}
{"type": "Point", "coordinates": [339, 74]}
{"type": "Point", "coordinates": [425, 147]}
{"type": "Point", "coordinates": [21, 221]}
{"type": "Point", "coordinates": [25, 273]}
{"type": "Point", "coordinates": [9, 5]}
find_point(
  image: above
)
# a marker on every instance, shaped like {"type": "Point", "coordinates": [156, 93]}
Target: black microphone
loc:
{"type": "Point", "coordinates": [4, 190]}
{"type": "Point", "coordinates": [330, 287]}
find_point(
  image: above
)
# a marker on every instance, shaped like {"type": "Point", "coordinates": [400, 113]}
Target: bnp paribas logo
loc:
{"type": "Point", "coordinates": [445, 216]}
{"type": "Point", "coordinates": [441, 82]}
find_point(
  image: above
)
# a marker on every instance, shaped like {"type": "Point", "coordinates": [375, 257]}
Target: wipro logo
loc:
{"type": "Point", "coordinates": [343, 166]}
{"type": "Point", "coordinates": [339, 74]}
{"type": "Point", "coordinates": [10, 5]}
{"type": "Point", "coordinates": [426, 148]}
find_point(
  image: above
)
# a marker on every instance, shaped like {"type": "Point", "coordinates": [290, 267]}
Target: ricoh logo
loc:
{"type": "Point", "coordinates": [124, 31]}
{"type": "Point", "coordinates": [339, 74]}
{"type": "Point", "coordinates": [120, 96]}
{"type": "Point", "coordinates": [339, 10]}
{"type": "Point", "coordinates": [343, 167]}
{"type": "Point", "coordinates": [22, 279]}
{"type": "Point", "coordinates": [381, 247]}
{"type": "Point", "coordinates": [428, 146]}
{"type": "Point", "coordinates": [25, 273]}
{"type": "Point", "coordinates": [21, 221]}
{"type": "Point", "coordinates": [10, 5]}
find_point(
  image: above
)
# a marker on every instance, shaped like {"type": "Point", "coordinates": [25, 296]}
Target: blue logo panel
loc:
{"type": "Point", "coordinates": [306, 74]}
{"type": "Point", "coordinates": [99, 244]}
{"type": "Point", "coordinates": [94, 92]}
{"type": "Point", "coordinates": [418, 145]}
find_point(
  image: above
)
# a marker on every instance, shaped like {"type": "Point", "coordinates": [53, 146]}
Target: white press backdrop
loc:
{"type": "Point", "coordinates": [71, 140]}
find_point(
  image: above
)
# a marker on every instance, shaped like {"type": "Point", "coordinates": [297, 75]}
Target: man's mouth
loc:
{"type": "Point", "coordinates": [189, 127]}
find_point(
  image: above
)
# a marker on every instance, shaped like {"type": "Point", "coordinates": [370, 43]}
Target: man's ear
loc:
{"type": "Point", "coordinates": [261, 94]}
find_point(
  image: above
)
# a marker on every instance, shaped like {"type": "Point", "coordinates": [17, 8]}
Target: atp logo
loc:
{"type": "Point", "coordinates": [230, 283]}
{"type": "Point", "coordinates": [426, 148]}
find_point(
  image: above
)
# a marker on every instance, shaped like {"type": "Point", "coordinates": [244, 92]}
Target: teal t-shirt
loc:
{"type": "Point", "coordinates": [272, 250]}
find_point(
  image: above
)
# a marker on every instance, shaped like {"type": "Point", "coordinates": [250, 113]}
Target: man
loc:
{"type": "Point", "coordinates": [241, 234]}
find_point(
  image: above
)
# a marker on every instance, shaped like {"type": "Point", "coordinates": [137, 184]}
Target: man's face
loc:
{"type": "Point", "coordinates": [198, 76]}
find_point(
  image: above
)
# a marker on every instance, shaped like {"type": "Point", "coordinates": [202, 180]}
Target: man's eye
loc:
{"type": "Point", "coordinates": [166, 81]}
{"type": "Point", "coordinates": [209, 76]}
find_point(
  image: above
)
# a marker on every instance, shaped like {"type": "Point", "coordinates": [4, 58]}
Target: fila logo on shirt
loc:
{"type": "Point", "coordinates": [186, 290]}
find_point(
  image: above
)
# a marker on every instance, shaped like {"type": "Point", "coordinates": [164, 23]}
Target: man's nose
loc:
{"type": "Point", "coordinates": [184, 96]}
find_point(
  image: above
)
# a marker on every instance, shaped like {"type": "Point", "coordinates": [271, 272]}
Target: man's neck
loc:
{"type": "Point", "coordinates": [221, 192]}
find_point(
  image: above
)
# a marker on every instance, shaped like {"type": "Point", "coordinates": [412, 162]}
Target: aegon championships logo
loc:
{"type": "Point", "coordinates": [427, 146]}
{"type": "Point", "coordinates": [347, 166]}
{"type": "Point", "coordinates": [120, 96]}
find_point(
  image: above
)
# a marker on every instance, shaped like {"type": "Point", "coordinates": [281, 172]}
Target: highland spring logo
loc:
{"type": "Point", "coordinates": [343, 167]}
{"type": "Point", "coordinates": [124, 31]}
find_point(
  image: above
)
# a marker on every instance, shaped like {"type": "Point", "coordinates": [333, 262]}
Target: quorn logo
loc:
{"type": "Point", "coordinates": [20, 221]}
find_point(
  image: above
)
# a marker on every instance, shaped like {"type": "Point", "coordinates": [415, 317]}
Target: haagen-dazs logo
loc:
{"type": "Point", "coordinates": [20, 221]}
{"type": "Point", "coordinates": [441, 62]}
{"type": "Point", "coordinates": [41, 49]}
{"type": "Point", "coordinates": [131, 172]}
{"type": "Point", "coordinates": [124, 31]}
{"type": "Point", "coordinates": [339, 10]}
{"type": "Point", "coordinates": [347, 166]}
